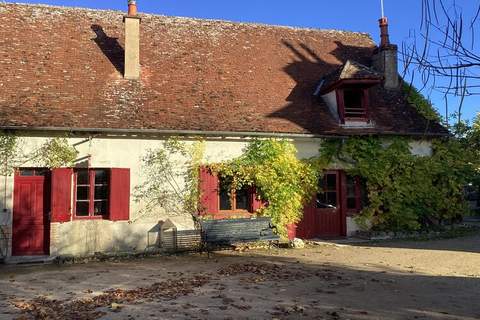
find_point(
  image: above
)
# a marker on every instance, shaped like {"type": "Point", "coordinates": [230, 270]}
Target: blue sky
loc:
{"type": "Point", "coordinates": [354, 15]}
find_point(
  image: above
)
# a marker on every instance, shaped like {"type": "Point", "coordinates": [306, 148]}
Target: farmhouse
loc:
{"type": "Point", "coordinates": [117, 85]}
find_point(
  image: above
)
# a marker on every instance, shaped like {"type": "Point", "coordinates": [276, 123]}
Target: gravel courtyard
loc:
{"type": "Point", "coordinates": [392, 280]}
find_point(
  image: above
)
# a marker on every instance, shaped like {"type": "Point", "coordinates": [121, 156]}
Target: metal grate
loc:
{"type": "Point", "coordinates": [181, 240]}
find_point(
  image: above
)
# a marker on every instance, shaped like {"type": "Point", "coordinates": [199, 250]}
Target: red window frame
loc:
{"type": "Point", "coordinates": [359, 192]}
{"type": "Point", "coordinates": [91, 194]}
{"type": "Point", "coordinates": [233, 200]}
{"type": "Point", "coordinates": [343, 113]}
{"type": "Point", "coordinates": [35, 172]}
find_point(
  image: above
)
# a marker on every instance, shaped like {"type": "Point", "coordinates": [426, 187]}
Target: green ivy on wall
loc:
{"type": "Point", "coordinates": [170, 175]}
{"type": "Point", "coordinates": [280, 178]}
{"type": "Point", "coordinates": [405, 191]}
{"type": "Point", "coordinates": [54, 153]}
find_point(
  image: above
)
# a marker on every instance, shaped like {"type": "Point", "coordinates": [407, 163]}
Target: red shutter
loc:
{"type": "Point", "coordinates": [61, 194]}
{"type": "Point", "coordinates": [208, 192]}
{"type": "Point", "coordinates": [119, 195]}
{"type": "Point", "coordinates": [255, 202]}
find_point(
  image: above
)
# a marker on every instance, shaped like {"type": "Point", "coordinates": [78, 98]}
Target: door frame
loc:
{"type": "Point", "coordinates": [310, 210]}
{"type": "Point", "coordinates": [341, 189]}
{"type": "Point", "coordinates": [46, 178]}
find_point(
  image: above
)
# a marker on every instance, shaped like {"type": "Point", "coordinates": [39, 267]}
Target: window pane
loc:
{"type": "Point", "coordinates": [101, 177]}
{"type": "Point", "coordinates": [82, 209]}
{"type": "Point", "coordinates": [27, 172]}
{"type": "Point", "coordinates": [82, 177]}
{"type": "Point", "coordinates": [331, 182]}
{"type": "Point", "coordinates": [321, 200]}
{"type": "Point", "coordinates": [225, 202]}
{"type": "Point", "coordinates": [83, 193]}
{"type": "Point", "coordinates": [351, 203]}
{"type": "Point", "coordinates": [241, 198]}
{"type": "Point", "coordinates": [100, 208]}
{"type": "Point", "coordinates": [331, 198]}
{"type": "Point", "coordinates": [353, 98]}
{"type": "Point", "coordinates": [42, 172]}
{"type": "Point", "coordinates": [101, 193]}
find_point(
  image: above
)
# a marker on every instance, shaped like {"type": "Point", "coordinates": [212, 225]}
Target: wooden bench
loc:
{"type": "Point", "coordinates": [218, 233]}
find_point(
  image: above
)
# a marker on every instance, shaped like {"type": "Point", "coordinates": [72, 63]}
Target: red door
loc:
{"type": "Point", "coordinates": [325, 217]}
{"type": "Point", "coordinates": [30, 214]}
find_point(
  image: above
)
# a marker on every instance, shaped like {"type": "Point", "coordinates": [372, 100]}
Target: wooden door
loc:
{"type": "Point", "coordinates": [325, 216]}
{"type": "Point", "coordinates": [30, 214]}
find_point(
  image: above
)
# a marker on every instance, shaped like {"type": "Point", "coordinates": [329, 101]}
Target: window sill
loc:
{"type": "Point", "coordinates": [90, 218]}
{"type": "Point", "coordinates": [357, 123]}
{"type": "Point", "coordinates": [224, 214]}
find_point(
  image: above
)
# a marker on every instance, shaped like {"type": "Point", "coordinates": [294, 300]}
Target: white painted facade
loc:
{"type": "Point", "coordinates": [86, 237]}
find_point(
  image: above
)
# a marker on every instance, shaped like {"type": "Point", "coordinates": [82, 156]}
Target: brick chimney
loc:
{"type": "Point", "coordinates": [385, 58]}
{"type": "Point", "coordinates": [132, 42]}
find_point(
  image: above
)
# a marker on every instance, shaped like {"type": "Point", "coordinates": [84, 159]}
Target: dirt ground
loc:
{"type": "Point", "coordinates": [437, 279]}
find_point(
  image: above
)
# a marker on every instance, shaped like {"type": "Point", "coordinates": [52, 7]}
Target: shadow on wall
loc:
{"type": "Point", "coordinates": [86, 238]}
{"type": "Point", "coordinates": [303, 108]}
{"type": "Point", "coordinates": [90, 237]}
{"type": "Point", "coordinates": [110, 47]}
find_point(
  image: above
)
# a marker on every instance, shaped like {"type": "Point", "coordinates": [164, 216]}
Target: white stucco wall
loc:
{"type": "Point", "coordinates": [330, 100]}
{"type": "Point", "coordinates": [85, 237]}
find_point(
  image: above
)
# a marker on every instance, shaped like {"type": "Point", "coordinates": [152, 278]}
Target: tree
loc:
{"type": "Point", "coordinates": [445, 52]}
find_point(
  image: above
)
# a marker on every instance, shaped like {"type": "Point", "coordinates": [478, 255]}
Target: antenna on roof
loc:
{"type": "Point", "coordinates": [383, 11]}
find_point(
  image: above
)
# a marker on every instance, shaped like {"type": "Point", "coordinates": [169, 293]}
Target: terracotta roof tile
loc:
{"type": "Point", "coordinates": [62, 67]}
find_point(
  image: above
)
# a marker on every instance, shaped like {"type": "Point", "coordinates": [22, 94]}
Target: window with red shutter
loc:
{"type": "Point", "coordinates": [209, 189]}
{"type": "Point", "coordinates": [356, 194]}
{"type": "Point", "coordinates": [91, 193]}
{"type": "Point", "coordinates": [61, 191]}
{"type": "Point", "coordinates": [255, 201]}
{"type": "Point", "coordinates": [119, 195]}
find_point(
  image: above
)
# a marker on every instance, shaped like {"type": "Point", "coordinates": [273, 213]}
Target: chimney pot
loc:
{"type": "Point", "coordinates": [132, 8]}
{"type": "Point", "coordinates": [385, 38]}
{"type": "Point", "coordinates": [385, 59]}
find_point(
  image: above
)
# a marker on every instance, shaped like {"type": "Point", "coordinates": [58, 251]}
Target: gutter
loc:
{"type": "Point", "coordinates": [211, 133]}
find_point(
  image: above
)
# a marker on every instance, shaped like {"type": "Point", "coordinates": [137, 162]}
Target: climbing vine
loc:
{"type": "Point", "coordinates": [419, 102]}
{"type": "Point", "coordinates": [8, 151]}
{"type": "Point", "coordinates": [405, 191]}
{"type": "Point", "coordinates": [281, 179]}
{"type": "Point", "coordinates": [54, 153]}
{"type": "Point", "coordinates": [170, 175]}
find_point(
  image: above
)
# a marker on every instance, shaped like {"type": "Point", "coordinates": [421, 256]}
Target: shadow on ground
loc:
{"type": "Point", "coordinates": [282, 284]}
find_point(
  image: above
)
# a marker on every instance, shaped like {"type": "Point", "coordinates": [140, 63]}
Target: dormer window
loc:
{"type": "Point", "coordinates": [345, 92]}
{"type": "Point", "coordinates": [352, 104]}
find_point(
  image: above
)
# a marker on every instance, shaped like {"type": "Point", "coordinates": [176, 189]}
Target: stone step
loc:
{"type": "Point", "coordinates": [29, 260]}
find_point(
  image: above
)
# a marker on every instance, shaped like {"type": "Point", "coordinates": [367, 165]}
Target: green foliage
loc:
{"type": "Point", "coordinates": [281, 179]}
{"type": "Point", "coordinates": [408, 192]}
{"type": "Point", "coordinates": [170, 175]}
{"type": "Point", "coordinates": [423, 106]}
{"type": "Point", "coordinates": [56, 153]}
{"type": "Point", "coordinates": [53, 153]}
{"type": "Point", "coordinates": [8, 151]}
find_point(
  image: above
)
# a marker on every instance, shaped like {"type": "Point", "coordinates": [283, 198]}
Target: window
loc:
{"type": "Point", "coordinates": [231, 199]}
{"type": "Point", "coordinates": [91, 192]}
{"type": "Point", "coordinates": [33, 172]}
{"type": "Point", "coordinates": [327, 197]}
{"type": "Point", "coordinates": [356, 194]}
{"type": "Point", "coordinates": [354, 106]}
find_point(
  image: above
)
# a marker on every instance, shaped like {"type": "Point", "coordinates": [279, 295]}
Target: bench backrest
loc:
{"type": "Point", "coordinates": [236, 230]}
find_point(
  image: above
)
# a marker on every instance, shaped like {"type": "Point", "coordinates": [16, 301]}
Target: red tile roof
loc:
{"type": "Point", "coordinates": [62, 67]}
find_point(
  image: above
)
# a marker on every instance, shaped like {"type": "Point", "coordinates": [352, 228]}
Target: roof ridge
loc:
{"type": "Point", "coordinates": [239, 23]}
